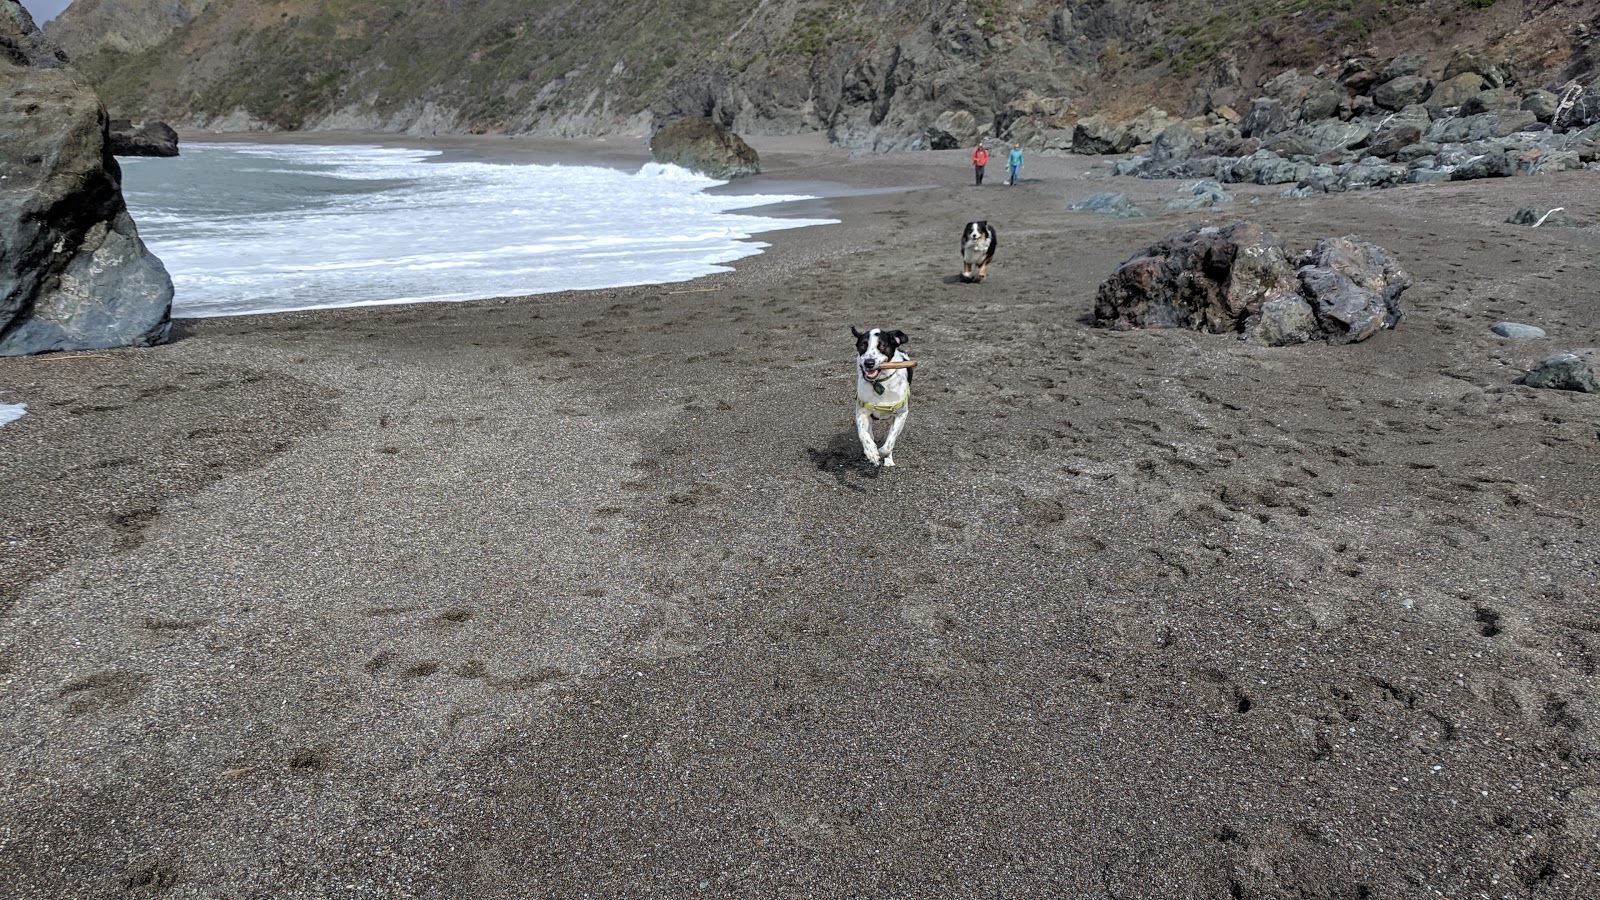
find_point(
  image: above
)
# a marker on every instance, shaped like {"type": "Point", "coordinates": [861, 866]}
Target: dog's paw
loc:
{"type": "Point", "coordinates": [888, 462]}
{"type": "Point", "coordinates": [872, 455]}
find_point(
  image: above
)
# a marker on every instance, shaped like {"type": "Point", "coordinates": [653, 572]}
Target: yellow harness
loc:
{"type": "Point", "coordinates": [883, 407]}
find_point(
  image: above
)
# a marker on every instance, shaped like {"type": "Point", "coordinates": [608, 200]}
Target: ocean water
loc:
{"type": "Point", "coordinates": [254, 228]}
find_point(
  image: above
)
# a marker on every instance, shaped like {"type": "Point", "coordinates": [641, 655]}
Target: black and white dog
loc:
{"type": "Point", "coordinates": [880, 393]}
{"type": "Point", "coordinates": [978, 243]}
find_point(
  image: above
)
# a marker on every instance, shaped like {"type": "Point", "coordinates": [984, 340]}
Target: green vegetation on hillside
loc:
{"type": "Point", "coordinates": [512, 65]}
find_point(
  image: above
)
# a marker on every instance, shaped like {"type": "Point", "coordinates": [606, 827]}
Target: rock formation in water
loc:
{"type": "Point", "coordinates": [701, 145]}
{"type": "Point", "coordinates": [143, 138]}
{"type": "Point", "coordinates": [73, 273]}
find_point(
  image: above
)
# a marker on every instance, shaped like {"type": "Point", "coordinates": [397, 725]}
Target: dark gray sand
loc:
{"type": "Point", "coordinates": [592, 594]}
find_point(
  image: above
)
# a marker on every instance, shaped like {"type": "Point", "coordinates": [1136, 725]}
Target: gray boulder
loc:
{"type": "Point", "coordinates": [1497, 100]}
{"type": "Point", "coordinates": [1488, 165]}
{"type": "Point", "coordinates": [701, 145]}
{"type": "Point", "coordinates": [74, 274]}
{"type": "Point", "coordinates": [142, 138]}
{"type": "Point", "coordinates": [1543, 104]}
{"type": "Point", "coordinates": [1175, 142]}
{"type": "Point", "coordinates": [1353, 287]}
{"type": "Point", "coordinates": [1544, 161]}
{"type": "Point", "coordinates": [1427, 175]}
{"type": "Point", "coordinates": [1539, 215]}
{"type": "Point", "coordinates": [1400, 92]}
{"type": "Point", "coordinates": [1360, 74]}
{"type": "Point", "coordinates": [1452, 92]}
{"type": "Point", "coordinates": [1283, 321]}
{"type": "Point", "coordinates": [1585, 143]}
{"type": "Point", "coordinates": [1323, 101]}
{"type": "Point", "coordinates": [1418, 154]}
{"type": "Point", "coordinates": [1266, 117]}
{"type": "Point", "coordinates": [1319, 138]}
{"type": "Point", "coordinates": [1480, 127]}
{"type": "Point", "coordinates": [1108, 203]}
{"type": "Point", "coordinates": [1517, 330]}
{"type": "Point", "coordinates": [1391, 139]}
{"type": "Point", "coordinates": [1371, 172]}
{"type": "Point", "coordinates": [1576, 370]}
{"type": "Point", "coordinates": [1475, 63]}
{"type": "Point", "coordinates": [1413, 63]}
{"type": "Point", "coordinates": [1266, 167]}
{"type": "Point", "coordinates": [1202, 195]}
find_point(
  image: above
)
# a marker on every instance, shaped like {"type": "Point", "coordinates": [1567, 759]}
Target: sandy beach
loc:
{"type": "Point", "coordinates": [592, 594]}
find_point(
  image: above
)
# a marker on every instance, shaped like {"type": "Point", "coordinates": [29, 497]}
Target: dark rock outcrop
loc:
{"type": "Point", "coordinates": [73, 273]}
{"type": "Point", "coordinates": [703, 146]}
{"type": "Point", "coordinates": [143, 139]}
{"type": "Point", "coordinates": [1240, 280]}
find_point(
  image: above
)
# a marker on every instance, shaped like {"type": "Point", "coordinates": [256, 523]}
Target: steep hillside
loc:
{"type": "Point", "coordinates": [90, 25]}
{"type": "Point", "coordinates": [882, 74]}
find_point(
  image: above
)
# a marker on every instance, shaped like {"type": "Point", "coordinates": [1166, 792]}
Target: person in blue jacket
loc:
{"type": "Point", "coordinates": [1014, 160]}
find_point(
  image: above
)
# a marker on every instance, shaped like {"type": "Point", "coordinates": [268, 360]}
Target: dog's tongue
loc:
{"type": "Point", "coordinates": [872, 373]}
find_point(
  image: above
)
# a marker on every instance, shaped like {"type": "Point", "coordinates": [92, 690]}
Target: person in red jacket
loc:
{"type": "Point", "coordinates": [980, 158]}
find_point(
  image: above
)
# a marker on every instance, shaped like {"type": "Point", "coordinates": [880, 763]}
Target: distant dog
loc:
{"type": "Point", "coordinates": [880, 393]}
{"type": "Point", "coordinates": [978, 243]}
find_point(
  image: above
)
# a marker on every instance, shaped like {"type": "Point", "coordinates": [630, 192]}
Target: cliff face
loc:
{"type": "Point", "coordinates": [880, 74]}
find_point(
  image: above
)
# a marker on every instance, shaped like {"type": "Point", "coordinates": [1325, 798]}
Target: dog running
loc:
{"type": "Point", "coordinates": [883, 389]}
{"type": "Point", "coordinates": [978, 243]}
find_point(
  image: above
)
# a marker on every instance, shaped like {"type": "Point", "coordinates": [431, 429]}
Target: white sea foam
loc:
{"type": "Point", "coordinates": [252, 228]}
{"type": "Point", "coordinates": [10, 412]}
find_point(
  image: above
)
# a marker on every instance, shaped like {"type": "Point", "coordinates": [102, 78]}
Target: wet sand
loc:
{"type": "Point", "coordinates": [593, 594]}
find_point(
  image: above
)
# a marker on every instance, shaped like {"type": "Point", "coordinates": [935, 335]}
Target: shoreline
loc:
{"type": "Point", "coordinates": [596, 594]}
{"type": "Point", "coordinates": [795, 155]}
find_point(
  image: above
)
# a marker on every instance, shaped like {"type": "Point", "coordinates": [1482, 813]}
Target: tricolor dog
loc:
{"type": "Point", "coordinates": [978, 243]}
{"type": "Point", "coordinates": [881, 393]}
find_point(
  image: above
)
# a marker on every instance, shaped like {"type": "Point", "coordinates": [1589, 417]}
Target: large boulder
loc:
{"type": "Point", "coordinates": [1239, 279]}
{"type": "Point", "coordinates": [142, 138]}
{"type": "Point", "coordinates": [1453, 92]}
{"type": "Point", "coordinates": [1205, 278]}
{"type": "Point", "coordinates": [1319, 138]}
{"type": "Point", "coordinates": [1266, 117]}
{"type": "Point", "coordinates": [1401, 92]}
{"type": "Point", "coordinates": [74, 274]}
{"type": "Point", "coordinates": [703, 146]}
{"type": "Point", "coordinates": [1098, 135]}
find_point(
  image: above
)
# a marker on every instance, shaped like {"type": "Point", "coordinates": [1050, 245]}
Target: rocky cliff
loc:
{"type": "Point", "coordinates": [880, 74]}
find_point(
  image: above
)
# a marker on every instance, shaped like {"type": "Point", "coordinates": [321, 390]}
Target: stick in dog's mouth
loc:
{"type": "Point", "coordinates": [898, 364]}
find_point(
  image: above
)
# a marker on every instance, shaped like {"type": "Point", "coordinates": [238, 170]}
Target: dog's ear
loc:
{"type": "Point", "coordinates": [899, 338]}
{"type": "Point", "coordinates": [859, 334]}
